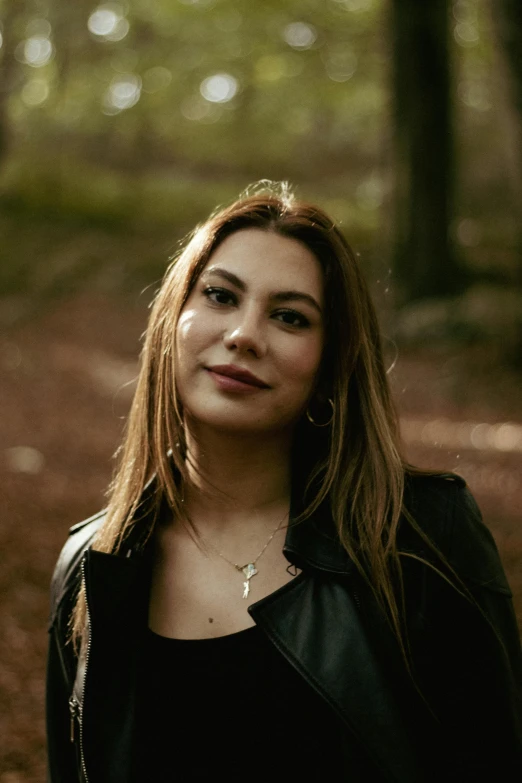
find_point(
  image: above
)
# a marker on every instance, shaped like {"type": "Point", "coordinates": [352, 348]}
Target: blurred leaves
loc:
{"type": "Point", "coordinates": [148, 114]}
{"type": "Point", "coordinates": [211, 83]}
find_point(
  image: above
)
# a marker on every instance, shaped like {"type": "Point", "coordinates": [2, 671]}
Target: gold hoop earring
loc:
{"type": "Point", "coordinates": [326, 423]}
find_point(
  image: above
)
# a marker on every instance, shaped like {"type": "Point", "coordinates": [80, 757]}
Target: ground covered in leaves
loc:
{"type": "Point", "coordinates": [65, 385]}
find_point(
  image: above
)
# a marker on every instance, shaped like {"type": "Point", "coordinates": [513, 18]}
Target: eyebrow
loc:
{"type": "Point", "coordinates": [278, 296]}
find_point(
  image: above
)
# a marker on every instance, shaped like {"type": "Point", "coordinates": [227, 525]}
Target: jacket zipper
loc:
{"type": "Point", "coordinates": [74, 709]}
{"type": "Point", "coordinates": [87, 654]}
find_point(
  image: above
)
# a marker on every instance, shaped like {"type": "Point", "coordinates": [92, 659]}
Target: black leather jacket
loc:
{"type": "Point", "coordinates": [466, 656]}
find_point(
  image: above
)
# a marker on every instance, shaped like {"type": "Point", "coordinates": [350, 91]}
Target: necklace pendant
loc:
{"type": "Point", "coordinates": [249, 571]}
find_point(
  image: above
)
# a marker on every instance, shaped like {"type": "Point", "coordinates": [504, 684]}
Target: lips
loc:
{"type": "Point", "coordinates": [238, 374]}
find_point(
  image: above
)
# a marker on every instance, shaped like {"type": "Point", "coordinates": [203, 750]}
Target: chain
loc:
{"type": "Point", "coordinates": [236, 565]}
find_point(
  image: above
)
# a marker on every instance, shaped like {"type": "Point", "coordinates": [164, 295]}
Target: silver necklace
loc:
{"type": "Point", "coordinates": [249, 569]}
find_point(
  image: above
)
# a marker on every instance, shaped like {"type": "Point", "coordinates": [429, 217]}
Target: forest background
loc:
{"type": "Point", "coordinates": [123, 124]}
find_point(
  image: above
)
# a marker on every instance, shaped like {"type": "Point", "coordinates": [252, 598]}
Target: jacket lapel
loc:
{"type": "Point", "coordinates": [319, 627]}
{"type": "Point", "coordinates": [315, 623]}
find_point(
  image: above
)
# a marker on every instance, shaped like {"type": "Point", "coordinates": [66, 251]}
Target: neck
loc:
{"type": "Point", "coordinates": [236, 480]}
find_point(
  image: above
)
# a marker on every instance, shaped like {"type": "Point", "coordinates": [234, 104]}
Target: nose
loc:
{"type": "Point", "coordinates": [245, 334]}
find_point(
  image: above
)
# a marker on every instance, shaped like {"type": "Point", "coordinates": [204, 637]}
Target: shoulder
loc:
{"type": "Point", "coordinates": [447, 513]}
{"type": "Point", "coordinates": [66, 570]}
{"type": "Point", "coordinates": [432, 488]}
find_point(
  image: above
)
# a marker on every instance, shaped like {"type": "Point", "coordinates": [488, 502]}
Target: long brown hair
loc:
{"type": "Point", "coordinates": [355, 463]}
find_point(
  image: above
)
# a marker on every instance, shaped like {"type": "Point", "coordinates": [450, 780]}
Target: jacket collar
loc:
{"type": "Point", "coordinates": [314, 542]}
{"type": "Point", "coordinates": [309, 544]}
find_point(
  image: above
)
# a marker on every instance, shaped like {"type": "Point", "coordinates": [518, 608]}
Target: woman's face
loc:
{"type": "Point", "coordinates": [256, 308]}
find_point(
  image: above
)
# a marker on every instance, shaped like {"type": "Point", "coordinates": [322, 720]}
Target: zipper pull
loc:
{"type": "Point", "coordinates": [73, 709]}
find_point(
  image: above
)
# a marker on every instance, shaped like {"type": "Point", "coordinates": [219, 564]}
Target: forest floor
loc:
{"type": "Point", "coordinates": [65, 386]}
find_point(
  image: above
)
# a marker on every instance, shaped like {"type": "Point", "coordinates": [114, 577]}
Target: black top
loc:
{"type": "Point", "coordinates": [232, 706]}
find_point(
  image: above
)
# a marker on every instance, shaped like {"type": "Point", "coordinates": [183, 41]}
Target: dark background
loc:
{"type": "Point", "coordinates": [123, 124]}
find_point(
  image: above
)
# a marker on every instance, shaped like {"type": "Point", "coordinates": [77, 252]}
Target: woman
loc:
{"type": "Point", "coordinates": [272, 591]}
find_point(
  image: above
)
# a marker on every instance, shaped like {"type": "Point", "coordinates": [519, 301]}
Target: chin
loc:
{"type": "Point", "coordinates": [237, 422]}
{"type": "Point", "coordinates": [233, 424]}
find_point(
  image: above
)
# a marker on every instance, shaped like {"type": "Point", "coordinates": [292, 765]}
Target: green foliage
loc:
{"type": "Point", "coordinates": [138, 116]}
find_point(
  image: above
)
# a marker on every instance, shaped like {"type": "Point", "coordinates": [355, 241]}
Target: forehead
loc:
{"type": "Point", "coordinates": [262, 258]}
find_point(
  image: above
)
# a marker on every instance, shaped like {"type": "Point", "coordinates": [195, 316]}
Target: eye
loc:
{"type": "Point", "coordinates": [219, 296]}
{"type": "Point", "coordinates": [292, 318]}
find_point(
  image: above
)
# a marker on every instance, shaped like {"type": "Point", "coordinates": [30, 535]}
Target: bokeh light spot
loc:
{"type": "Point", "coordinates": [219, 88]}
{"type": "Point", "coordinates": [103, 21]}
{"type": "Point", "coordinates": [24, 459]}
{"type": "Point", "coordinates": [475, 95]}
{"type": "Point", "coordinates": [196, 109]}
{"type": "Point", "coordinates": [466, 34]}
{"type": "Point", "coordinates": [300, 35]}
{"type": "Point", "coordinates": [508, 437]}
{"type": "Point", "coordinates": [472, 435]}
{"type": "Point", "coordinates": [108, 21]}
{"type": "Point", "coordinates": [35, 92]}
{"type": "Point", "coordinates": [120, 31]}
{"type": "Point", "coordinates": [340, 65]}
{"type": "Point", "coordinates": [479, 436]}
{"type": "Point", "coordinates": [37, 51]}
{"type": "Point", "coordinates": [123, 93]}
{"type": "Point", "coordinates": [464, 11]}
{"type": "Point", "coordinates": [469, 232]}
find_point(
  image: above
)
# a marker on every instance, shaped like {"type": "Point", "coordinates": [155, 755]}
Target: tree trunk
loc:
{"type": "Point", "coordinates": [425, 262]}
{"type": "Point", "coordinates": [507, 18]}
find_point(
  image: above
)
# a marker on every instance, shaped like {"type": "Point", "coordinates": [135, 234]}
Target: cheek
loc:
{"type": "Point", "coordinates": [301, 366]}
{"type": "Point", "coordinates": [185, 350]}
{"type": "Point", "coordinates": [190, 336]}
{"type": "Point", "coordinates": [184, 329]}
